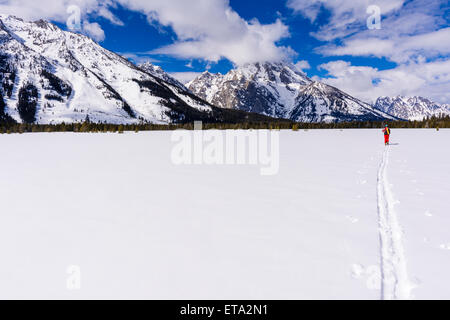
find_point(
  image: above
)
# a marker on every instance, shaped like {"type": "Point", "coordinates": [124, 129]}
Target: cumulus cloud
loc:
{"type": "Point", "coordinates": [428, 79]}
{"type": "Point", "coordinates": [185, 77]}
{"type": "Point", "coordinates": [94, 31]}
{"type": "Point", "coordinates": [45, 9]}
{"type": "Point", "coordinates": [138, 58]}
{"type": "Point", "coordinates": [253, 43]}
{"type": "Point", "coordinates": [397, 48]}
{"type": "Point", "coordinates": [212, 30]}
{"type": "Point", "coordinates": [56, 10]}
{"type": "Point", "coordinates": [419, 29]}
{"type": "Point", "coordinates": [414, 34]}
{"type": "Point", "coordinates": [409, 29]}
{"type": "Point", "coordinates": [205, 29]}
{"type": "Point", "coordinates": [302, 65]}
{"type": "Point", "coordinates": [345, 16]}
{"type": "Point", "coordinates": [310, 9]}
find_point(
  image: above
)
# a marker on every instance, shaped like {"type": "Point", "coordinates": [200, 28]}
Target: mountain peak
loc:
{"type": "Point", "coordinates": [279, 89]}
{"type": "Point", "coordinates": [410, 108]}
{"type": "Point", "coordinates": [9, 16]}
{"type": "Point", "coordinates": [45, 24]}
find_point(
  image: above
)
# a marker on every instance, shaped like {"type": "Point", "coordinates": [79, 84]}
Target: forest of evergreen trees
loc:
{"type": "Point", "coordinates": [7, 126]}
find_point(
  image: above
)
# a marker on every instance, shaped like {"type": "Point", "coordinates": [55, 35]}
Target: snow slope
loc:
{"type": "Point", "coordinates": [345, 218]}
{"type": "Point", "coordinates": [159, 73]}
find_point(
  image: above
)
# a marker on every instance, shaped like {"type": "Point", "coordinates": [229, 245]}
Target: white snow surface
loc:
{"type": "Point", "coordinates": [345, 218]}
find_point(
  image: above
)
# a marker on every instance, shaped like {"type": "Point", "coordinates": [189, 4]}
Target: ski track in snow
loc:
{"type": "Point", "coordinates": [394, 275]}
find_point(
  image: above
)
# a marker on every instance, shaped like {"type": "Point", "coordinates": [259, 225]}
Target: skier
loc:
{"type": "Point", "coordinates": [387, 133]}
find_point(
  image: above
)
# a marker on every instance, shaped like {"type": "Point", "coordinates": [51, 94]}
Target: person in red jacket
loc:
{"type": "Point", "coordinates": [387, 134]}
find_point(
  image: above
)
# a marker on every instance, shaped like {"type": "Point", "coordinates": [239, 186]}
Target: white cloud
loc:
{"type": "Point", "coordinates": [205, 29]}
{"type": "Point", "coordinates": [414, 34]}
{"type": "Point", "coordinates": [108, 15]}
{"type": "Point", "coordinates": [212, 30]}
{"type": "Point", "coordinates": [56, 10]}
{"type": "Point", "coordinates": [137, 58]}
{"type": "Point", "coordinates": [185, 77]}
{"type": "Point", "coordinates": [418, 29]}
{"type": "Point", "coordinates": [399, 49]}
{"type": "Point", "coordinates": [302, 65]}
{"type": "Point", "coordinates": [428, 79]}
{"type": "Point", "coordinates": [254, 43]}
{"type": "Point", "coordinates": [345, 16]}
{"type": "Point", "coordinates": [45, 9]}
{"type": "Point", "coordinates": [310, 9]}
{"type": "Point", "coordinates": [94, 31]}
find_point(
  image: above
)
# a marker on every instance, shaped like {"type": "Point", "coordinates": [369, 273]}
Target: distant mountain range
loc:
{"type": "Point", "coordinates": [280, 90]}
{"type": "Point", "coordinates": [48, 75]}
{"type": "Point", "coordinates": [411, 108]}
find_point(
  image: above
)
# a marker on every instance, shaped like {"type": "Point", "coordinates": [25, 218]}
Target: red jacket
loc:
{"type": "Point", "coordinates": [387, 131]}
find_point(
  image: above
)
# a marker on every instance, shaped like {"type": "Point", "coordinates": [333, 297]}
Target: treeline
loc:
{"type": "Point", "coordinates": [435, 122]}
{"type": "Point", "coordinates": [87, 126]}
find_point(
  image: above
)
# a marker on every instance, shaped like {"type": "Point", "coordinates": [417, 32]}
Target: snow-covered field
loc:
{"type": "Point", "coordinates": [345, 218]}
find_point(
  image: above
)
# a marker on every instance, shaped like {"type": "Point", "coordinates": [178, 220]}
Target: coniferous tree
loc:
{"type": "Point", "coordinates": [28, 97]}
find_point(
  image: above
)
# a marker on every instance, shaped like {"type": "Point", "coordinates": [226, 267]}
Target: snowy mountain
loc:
{"type": "Point", "coordinates": [159, 73]}
{"type": "Point", "coordinates": [48, 75]}
{"type": "Point", "coordinates": [280, 90]}
{"type": "Point", "coordinates": [411, 108]}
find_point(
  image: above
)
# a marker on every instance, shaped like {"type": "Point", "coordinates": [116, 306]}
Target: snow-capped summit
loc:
{"type": "Point", "coordinates": [411, 108]}
{"type": "Point", "coordinates": [281, 90]}
{"type": "Point", "coordinates": [48, 75]}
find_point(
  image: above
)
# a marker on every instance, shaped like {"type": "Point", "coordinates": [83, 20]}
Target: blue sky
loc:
{"type": "Point", "coordinates": [369, 48]}
{"type": "Point", "coordinates": [137, 37]}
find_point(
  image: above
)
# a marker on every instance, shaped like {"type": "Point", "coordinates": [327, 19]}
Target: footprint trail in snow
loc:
{"type": "Point", "coordinates": [394, 276]}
